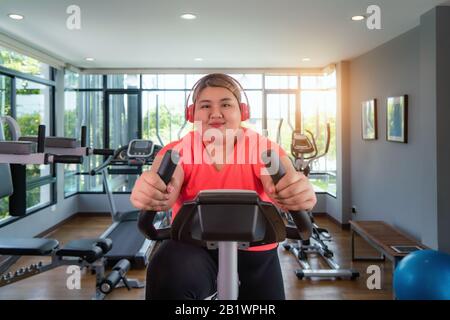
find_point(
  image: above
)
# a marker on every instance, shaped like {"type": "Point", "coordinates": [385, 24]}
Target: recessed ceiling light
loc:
{"type": "Point", "coordinates": [198, 59]}
{"type": "Point", "coordinates": [15, 16]}
{"type": "Point", "coordinates": [188, 16]}
{"type": "Point", "coordinates": [358, 18]}
{"type": "Point", "coordinates": [89, 59]}
{"type": "Point", "coordinates": [306, 59]}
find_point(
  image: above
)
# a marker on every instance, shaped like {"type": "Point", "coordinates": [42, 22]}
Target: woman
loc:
{"type": "Point", "coordinates": [218, 154]}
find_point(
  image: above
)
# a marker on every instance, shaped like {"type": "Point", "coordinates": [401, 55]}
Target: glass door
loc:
{"type": "Point", "coordinates": [280, 109]}
{"type": "Point", "coordinates": [123, 125]}
{"type": "Point", "coordinates": [122, 119]}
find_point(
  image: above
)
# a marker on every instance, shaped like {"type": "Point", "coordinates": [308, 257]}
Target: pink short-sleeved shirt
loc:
{"type": "Point", "coordinates": [242, 171]}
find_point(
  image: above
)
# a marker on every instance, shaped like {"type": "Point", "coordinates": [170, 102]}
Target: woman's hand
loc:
{"type": "Point", "coordinates": [150, 192]}
{"type": "Point", "coordinates": [293, 192]}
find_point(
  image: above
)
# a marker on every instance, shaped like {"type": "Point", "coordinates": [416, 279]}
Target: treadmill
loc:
{"type": "Point", "coordinates": [129, 243]}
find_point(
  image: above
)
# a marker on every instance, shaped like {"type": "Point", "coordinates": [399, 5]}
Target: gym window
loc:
{"type": "Point", "coordinates": [5, 108]}
{"type": "Point", "coordinates": [19, 62]}
{"type": "Point", "coordinates": [83, 100]}
{"type": "Point", "coordinates": [318, 101]}
{"type": "Point", "coordinates": [27, 94]}
{"type": "Point", "coordinates": [151, 106]}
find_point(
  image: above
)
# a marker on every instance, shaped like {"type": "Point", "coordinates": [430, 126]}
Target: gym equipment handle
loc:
{"type": "Point", "coordinates": [104, 152]}
{"type": "Point", "coordinates": [67, 159]}
{"type": "Point", "coordinates": [115, 154]}
{"type": "Point", "coordinates": [301, 218]}
{"type": "Point", "coordinates": [41, 139]}
{"type": "Point", "coordinates": [145, 221]}
{"type": "Point", "coordinates": [118, 272]}
{"type": "Point", "coordinates": [94, 171]}
{"type": "Point", "coordinates": [83, 136]}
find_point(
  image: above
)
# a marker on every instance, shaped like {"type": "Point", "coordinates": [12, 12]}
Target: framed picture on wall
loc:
{"type": "Point", "coordinates": [397, 119]}
{"type": "Point", "coordinates": [369, 120]}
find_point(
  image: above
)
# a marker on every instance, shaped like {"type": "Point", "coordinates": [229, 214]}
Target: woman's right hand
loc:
{"type": "Point", "coordinates": [150, 193]}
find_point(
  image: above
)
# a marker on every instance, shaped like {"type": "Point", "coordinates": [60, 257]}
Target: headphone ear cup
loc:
{"type": "Point", "coordinates": [245, 112]}
{"type": "Point", "coordinates": [189, 114]}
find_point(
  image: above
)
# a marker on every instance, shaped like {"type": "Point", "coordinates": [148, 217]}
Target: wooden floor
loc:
{"type": "Point", "coordinates": [52, 284]}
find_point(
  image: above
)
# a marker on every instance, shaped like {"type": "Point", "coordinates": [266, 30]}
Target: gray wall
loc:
{"type": "Point", "coordinates": [427, 173]}
{"type": "Point", "coordinates": [339, 207]}
{"type": "Point", "coordinates": [406, 185]}
{"type": "Point", "coordinates": [443, 119]}
{"type": "Point", "coordinates": [384, 185]}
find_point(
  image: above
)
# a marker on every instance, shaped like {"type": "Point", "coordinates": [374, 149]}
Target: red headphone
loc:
{"type": "Point", "coordinates": [245, 108]}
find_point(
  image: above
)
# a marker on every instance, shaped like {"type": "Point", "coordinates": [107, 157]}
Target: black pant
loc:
{"type": "Point", "coordinates": [183, 271]}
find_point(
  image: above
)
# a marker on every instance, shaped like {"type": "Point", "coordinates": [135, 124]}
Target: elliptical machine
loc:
{"type": "Point", "coordinates": [304, 150]}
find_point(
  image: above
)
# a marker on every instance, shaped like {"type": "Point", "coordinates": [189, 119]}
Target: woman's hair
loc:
{"type": "Point", "coordinates": [217, 80]}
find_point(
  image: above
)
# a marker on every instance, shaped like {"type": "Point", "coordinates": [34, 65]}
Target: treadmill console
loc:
{"type": "Point", "coordinates": [139, 148]}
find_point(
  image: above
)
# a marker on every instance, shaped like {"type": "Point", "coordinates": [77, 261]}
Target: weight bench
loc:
{"type": "Point", "coordinates": [85, 253]}
{"type": "Point", "coordinates": [382, 237]}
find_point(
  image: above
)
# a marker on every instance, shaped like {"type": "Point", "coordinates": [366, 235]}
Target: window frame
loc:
{"type": "Point", "coordinates": [141, 90]}
{"type": "Point", "coordinates": [47, 179]}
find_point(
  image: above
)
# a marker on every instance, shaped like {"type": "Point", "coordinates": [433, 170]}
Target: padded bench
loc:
{"type": "Point", "coordinates": [27, 246]}
{"type": "Point", "coordinates": [382, 237]}
{"type": "Point", "coordinates": [86, 249]}
{"type": "Point", "coordinates": [55, 142]}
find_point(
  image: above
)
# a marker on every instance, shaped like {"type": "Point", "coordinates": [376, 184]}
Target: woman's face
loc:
{"type": "Point", "coordinates": [217, 108]}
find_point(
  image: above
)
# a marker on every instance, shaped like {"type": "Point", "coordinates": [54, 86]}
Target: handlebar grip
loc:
{"type": "Point", "coordinates": [303, 223]}
{"type": "Point", "coordinates": [83, 136]}
{"type": "Point", "coordinates": [117, 273]}
{"type": "Point", "coordinates": [94, 171]}
{"type": "Point", "coordinates": [67, 159]}
{"type": "Point", "coordinates": [273, 165]}
{"type": "Point", "coordinates": [145, 220]}
{"type": "Point", "coordinates": [277, 171]}
{"type": "Point", "coordinates": [145, 225]}
{"type": "Point", "coordinates": [168, 165]}
{"type": "Point", "coordinates": [41, 139]}
{"type": "Point", "coordinates": [104, 152]}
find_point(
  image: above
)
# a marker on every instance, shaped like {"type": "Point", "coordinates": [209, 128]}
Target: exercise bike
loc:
{"type": "Point", "coordinates": [304, 150]}
{"type": "Point", "coordinates": [226, 220]}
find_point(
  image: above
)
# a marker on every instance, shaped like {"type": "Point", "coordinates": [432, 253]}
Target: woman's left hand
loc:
{"type": "Point", "coordinates": [293, 192]}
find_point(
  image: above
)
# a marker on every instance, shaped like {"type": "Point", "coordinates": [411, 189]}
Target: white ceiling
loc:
{"type": "Point", "coordinates": [226, 34]}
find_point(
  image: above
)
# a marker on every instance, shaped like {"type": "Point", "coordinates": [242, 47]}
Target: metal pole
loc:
{"type": "Point", "coordinates": [227, 277]}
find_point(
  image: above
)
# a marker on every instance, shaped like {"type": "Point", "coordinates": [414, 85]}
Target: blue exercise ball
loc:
{"type": "Point", "coordinates": [423, 275]}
